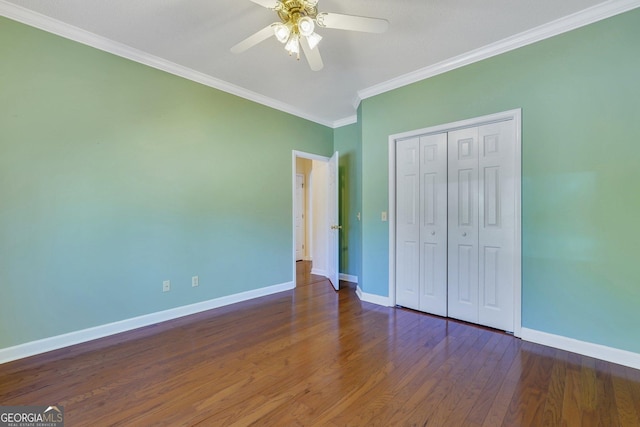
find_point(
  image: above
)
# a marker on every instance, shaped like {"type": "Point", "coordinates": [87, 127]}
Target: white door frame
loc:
{"type": "Point", "coordinates": [300, 204]}
{"type": "Point", "coordinates": [302, 155]}
{"type": "Point", "coordinates": [515, 115]}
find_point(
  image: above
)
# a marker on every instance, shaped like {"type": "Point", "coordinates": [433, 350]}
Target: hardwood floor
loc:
{"type": "Point", "coordinates": [316, 357]}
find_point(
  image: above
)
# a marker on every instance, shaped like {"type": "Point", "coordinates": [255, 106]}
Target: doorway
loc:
{"type": "Point", "coordinates": [454, 206]}
{"type": "Point", "coordinates": [315, 227]}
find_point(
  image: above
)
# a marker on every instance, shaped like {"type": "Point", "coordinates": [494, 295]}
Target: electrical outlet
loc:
{"type": "Point", "coordinates": [383, 216]}
{"type": "Point", "coordinates": [195, 281]}
{"type": "Point", "coordinates": [166, 286]}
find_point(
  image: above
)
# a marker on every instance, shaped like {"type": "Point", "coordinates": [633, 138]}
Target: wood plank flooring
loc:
{"type": "Point", "coordinates": [316, 357]}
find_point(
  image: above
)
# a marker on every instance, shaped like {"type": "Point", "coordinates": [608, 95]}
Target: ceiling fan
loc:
{"type": "Point", "coordinates": [298, 20]}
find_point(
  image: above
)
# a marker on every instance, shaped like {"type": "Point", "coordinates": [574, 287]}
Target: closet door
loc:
{"type": "Point", "coordinates": [497, 225]}
{"type": "Point", "coordinates": [433, 224]}
{"type": "Point", "coordinates": [408, 223]}
{"type": "Point", "coordinates": [463, 225]}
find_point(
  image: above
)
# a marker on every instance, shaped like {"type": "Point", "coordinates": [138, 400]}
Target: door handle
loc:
{"type": "Point", "coordinates": [464, 234]}
{"type": "Point", "coordinates": [433, 233]}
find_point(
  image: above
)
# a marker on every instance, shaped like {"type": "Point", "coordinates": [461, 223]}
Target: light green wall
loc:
{"type": "Point", "coordinates": [347, 142]}
{"type": "Point", "coordinates": [115, 176]}
{"type": "Point", "coordinates": [580, 97]}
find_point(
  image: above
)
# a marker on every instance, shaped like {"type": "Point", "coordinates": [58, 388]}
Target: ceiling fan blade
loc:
{"type": "Point", "coordinates": [253, 39]}
{"type": "Point", "coordinates": [269, 4]}
{"type": "Point", "coordinates": [352, 23]}
{"type": "Point", "coordinates": [313, 55]}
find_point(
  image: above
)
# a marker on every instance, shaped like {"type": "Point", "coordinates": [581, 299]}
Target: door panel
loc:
{"type": "Point", "coordinates": [491, 266]}
{"type": "Point", "coordinates": [497, 225]}
{"type": "Point", "coordinates": [463, 225]}
{"type": "Point", "coordinates": [491, 196]}
{"type": "Point", "coordinates": [465, 274]}
{"type": "Point", "coordinates": [407, 225]}
{"type": "Point", "coordinates": [433, 224]}
{"type": "Point", "coordinates": [333, 268]}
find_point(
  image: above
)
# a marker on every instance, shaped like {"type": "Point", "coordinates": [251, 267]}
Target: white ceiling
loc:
{"type": "Point", "coordinates": [197, 35]}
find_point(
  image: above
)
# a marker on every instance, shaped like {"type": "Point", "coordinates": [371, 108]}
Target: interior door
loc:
{"type": "Point", "coordinates": [299, 217]}
{"type": "Point", "coordinates": [408, 223]}
{"type": "Point", "coordinates": [463, 225]}
{"type": "Point", "coordinates": [333, 267]}
{"type": "Point", "coordinates": [433, 224]}
{"type": "Point", "coordinates": [496, 224]}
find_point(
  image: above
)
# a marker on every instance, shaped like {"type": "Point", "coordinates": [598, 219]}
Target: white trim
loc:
{"type": "Point", "coordinates": [517, 244]}
{"type": "Point", "coordinates": [346, 121]}
{"type": "Point", "coordinates": [309, 156]}
{"type": "Point", "coordinates": [515, 115]}
{"type": "Point", "coordinates": [349, 278]}
{"type": "Point", "coordinates": [571, 22]}
{"type": "Point", "coordinates": [391, 216]}
{"type": "Point", "coordinates": [372, 298]}
{"type": "Point", "coordinates": [54, 26]}
{"type": "Point", "coordinates": [77, 337]}
{"type": "Point", "coordinates": [609, 354]}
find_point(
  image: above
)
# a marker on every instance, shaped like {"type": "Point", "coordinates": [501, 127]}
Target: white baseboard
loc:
{"type": "Point", "coordinates": [610, 354]}
{"type": "Point", "coordinates": [349, 278]}
{"type": "Point", "coordinates": [372, 298]}
{"type": "Point", "coordinates": [319, 272]}
{"type": "Point", "coordinates": [54, 343]}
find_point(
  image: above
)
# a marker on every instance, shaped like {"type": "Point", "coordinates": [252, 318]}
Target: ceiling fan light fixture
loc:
{"type": "Point", "coordinates": [306, 26]}
{"type": "Point", "coordinates": [282, 32]}
{"type": "Point", "coordinates": [314, 39]}
{"type": "Point", "coordinates": [293, 45]}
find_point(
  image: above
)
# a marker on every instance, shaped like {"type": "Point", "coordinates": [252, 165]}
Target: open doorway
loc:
{"type": "Point", "coordinates": [315, 228]}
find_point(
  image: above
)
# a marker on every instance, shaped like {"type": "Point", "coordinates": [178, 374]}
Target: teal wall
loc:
{"type": "Point", "coordinates": [346, 141]}
{"type": "Point", "coordinates": [115, 176]}
{"type": "Point", "coordinates": [580, 99]}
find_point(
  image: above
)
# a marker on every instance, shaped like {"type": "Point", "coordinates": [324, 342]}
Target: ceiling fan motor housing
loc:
{"type": "Point", "coordinates": [293, 10]}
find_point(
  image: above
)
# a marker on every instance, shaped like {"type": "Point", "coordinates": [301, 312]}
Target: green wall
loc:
{"type": "Point", "coordinates": [346, 141]}
{"type": "Point", "coordinates": [580, 99]}
{"type": "Point", "coordinates": [115, 176]}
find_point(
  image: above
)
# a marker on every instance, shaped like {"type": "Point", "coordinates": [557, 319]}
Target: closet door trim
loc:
{"type": "Point", "coordinates": [516, 116]}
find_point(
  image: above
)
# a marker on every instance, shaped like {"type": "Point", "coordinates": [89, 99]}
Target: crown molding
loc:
{"type": "Point", "coordinates": [562, 25]}
{"type": "Point", "coordinates": [570, 22]}
{"type": "Point", "coordinates": [344, 122]}
{"type": "Point", "coordinates": [54, 26]}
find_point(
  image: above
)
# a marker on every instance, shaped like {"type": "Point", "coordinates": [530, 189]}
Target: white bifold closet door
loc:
{"type": "Point", "coordinates": [482, 225]}
{"type": "Point", "coordinates": [421, 223]}
{"type": "Point", "coordinates": [455, 224]}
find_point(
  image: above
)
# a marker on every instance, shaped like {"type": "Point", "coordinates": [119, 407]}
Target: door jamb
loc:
{"type": "Point", "coordinates": [516, 116]}
{"type": "Point", "coordinates": [296, 204]}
